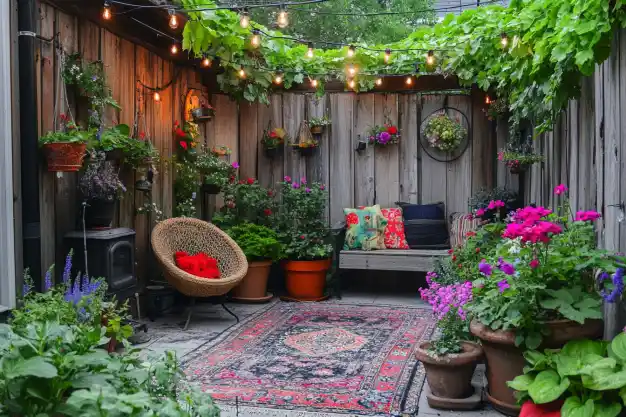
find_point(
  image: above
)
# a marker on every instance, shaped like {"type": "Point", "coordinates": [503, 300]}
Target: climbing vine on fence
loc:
{"type": "Point", "coordinates": [552, 44]}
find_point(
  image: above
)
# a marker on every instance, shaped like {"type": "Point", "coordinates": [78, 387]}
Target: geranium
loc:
{"type": "Point", "coordinates": [392, 130]}
{"type": "Point", "coordinates": [183, 144]}
{"type": "Point", "coordinates": [587, 216]}
{"type": "Point", "coordinates": [560, 189]}
{"type": "Point", "coordinates": [496, 204]}
{"type": "Point", "coordinates": [383, 135]}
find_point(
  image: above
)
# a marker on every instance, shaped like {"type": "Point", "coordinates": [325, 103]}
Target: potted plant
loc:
{"type": "Point", "coordinates": [519, 157]}
{"type": "Point", "coordinates": [204, 113]}
{"type": "Point", "coordinates": [186, 139]}
{"type": "Point", "coordinates": [216, 172]}
{"type": "Point", "coordinates": [221, 150]}
{"type": "Point", "coordinates": [273, 141]}
{"type": "Point", "coordinates": [65, 149]}
{"type": "Point", "coordinates": [537, 288]}
{"type": "Point", "coordinates": [483, 205]}
{"type": "Point", "coordinates": [496, 108]}
{"type": "Point", "coordinates": [261, 246]}
{"type": "Point", "coordinates": [143, 157]}
{"type": "Point", "coordinates": [317, 124]}
{"type": "Point", "coordinates": [306, 148]}
{"type": "Point", "coordinates": [384, 135]}
{"type": "Point", "coordinates": [115, 142]}
{"type": "Point", "coordinates": [450, 360]}
{"type": "Point", "coordinates": [304, 233]}
{"type": "Point", "coordinates": [100, 187]}
{"type": "Point", "coordinates": [444, 134]}
{"type": "Point", "coordinates": [246, 201]}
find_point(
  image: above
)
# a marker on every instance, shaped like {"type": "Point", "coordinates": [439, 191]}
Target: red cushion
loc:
{"type": "Point", "coordinates": [200, 264]}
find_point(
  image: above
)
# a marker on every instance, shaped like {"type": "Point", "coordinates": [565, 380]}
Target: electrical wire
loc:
{"type": "Point", "coordinates": [438, 9]}
{"type": "Point", "coordinates": [206, 9]}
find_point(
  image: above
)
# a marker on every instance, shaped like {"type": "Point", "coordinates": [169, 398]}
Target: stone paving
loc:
{"type": "Point", "coordinates": [209, 321]}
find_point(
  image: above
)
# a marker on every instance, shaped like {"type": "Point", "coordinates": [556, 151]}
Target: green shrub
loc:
{"type": "Point", "coordinates": [258, 243]}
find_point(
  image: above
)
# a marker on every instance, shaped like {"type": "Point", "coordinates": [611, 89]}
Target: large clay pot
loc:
{"type": "Point", "coordinates": [450, 376]}
{"type": "Point", "coordinates": [253, 287]}
{"type": "Point", "coordinates": [64, 156]}
{"type": "Point", "coordinates": [505, 361]}
{"type": "Point", "coordinates": [305, 280]}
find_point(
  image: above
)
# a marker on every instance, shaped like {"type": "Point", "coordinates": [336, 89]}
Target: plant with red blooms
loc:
{"type": "Point", "coordinates": [274, 138]}
{"type": "Point", "coordinates": [246, 201]}
{"type": "Point", "coordinates": [519, 157]}
{"type": "Point", "coordinates": [384, 135]}
{"type": "Point", "coordinates": [186, 136]}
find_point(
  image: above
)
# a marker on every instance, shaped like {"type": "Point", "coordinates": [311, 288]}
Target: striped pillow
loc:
{"type": "Point", "coordinates": [460, 225]}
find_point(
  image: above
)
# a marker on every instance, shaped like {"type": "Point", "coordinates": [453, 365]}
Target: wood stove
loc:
{"type": "Point", "coordinates": [110, 255]}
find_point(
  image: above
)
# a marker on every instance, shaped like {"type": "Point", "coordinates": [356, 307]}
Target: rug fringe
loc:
{"type": "Point", "coordinates": [244, 411]}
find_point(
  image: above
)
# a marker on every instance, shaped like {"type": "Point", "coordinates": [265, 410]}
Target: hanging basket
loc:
{"type": "Point", "coordinates": [317, 130]}
{"type": "Point", "coordinates": [211, 189]}
{"type": "Point", "coordinates": [272, 153]}
{"type": "Point", "coordinates": [305, 151]}
{"type": "Point", "coordinates": [518, 169]}
{"type": "Point", "coordinates": [64, 156]}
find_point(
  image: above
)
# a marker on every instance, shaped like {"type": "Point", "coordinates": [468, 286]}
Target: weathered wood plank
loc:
{"type": "Point", "coordinates": [264, 164]}
{"type": "Point", "coordinates": [226, 129]}
{"type": "Point", "coordinates": [386, 160]}
{"type": "Point", "coordinates": [248, 139]}
{"type": "Point", "coordinates": [364, 186]}
{"type": "Point", "coordinates": [459, 172]}
{"type": "Point", "coordinates": [278, 164]}
{"type": "Point", "coordinates": [341, 185]}
{"type": "Point", "coordinates": [390, 260]}
{"type": "Point", "coordinates": [293, 115]}
{"type": "Point", "coordinates": [483, 152]}
{"type": "Point", "coordinates": [586, 146]}
{"type": "Point", "coordinates": [574, 181]}
{"type": "Point", "coordinates": [317, 164]}
{"type": "Point", "coordinates": [111, 55]}
{"type": "Point", "coordinates": [410, 114]}
{"type": "Point", "coordinates": [433, 173]}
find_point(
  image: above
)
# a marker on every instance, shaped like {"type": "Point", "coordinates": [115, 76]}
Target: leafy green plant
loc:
{"type": "Point", "coordinates": [443, 133]}
{"type": "Point", "coordinates": [588, 376]}
{"type": "Point", "coordinates": [483, 197]}
{"type": "Point", "coordinates": [274, 138]}
{"type": "Point", "coordinates": [319, 121]}
{"type": "Point", "coordinates": [258, 243]}
{"type": "Point", "coordinates": [69, 132]}
{"type": "Point", "coordinates": [246, 201]}
{"type": "Point", "coordinates": [215, 170]}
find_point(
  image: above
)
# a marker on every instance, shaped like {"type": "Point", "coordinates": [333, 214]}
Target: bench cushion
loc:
{"type": "Point", "coordinates": [390, 259]}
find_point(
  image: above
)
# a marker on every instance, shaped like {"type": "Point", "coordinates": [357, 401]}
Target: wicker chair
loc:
{"type": "Point", "coordinates": [193, 236]}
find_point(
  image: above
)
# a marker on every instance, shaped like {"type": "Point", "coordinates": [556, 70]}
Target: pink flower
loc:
{"type": "Point", "coordinates": [303, 181]}
{"type": "Point", "coordinates": [495, 204]}
{"type": "Point", "coordinates": [287, 178]}
{"type": "Point", "coordinates": [480, 212]}
{"type": "Point", "coordinates": [236, 165]}
{"type": "Point", "coordinates": [587, 216]}
{"type": "Point", "coordinates": [295, 185]}
{"type": "Point", "coordinates": [560, 189]}
{"type": "Point", "coordinates": [534, 264]}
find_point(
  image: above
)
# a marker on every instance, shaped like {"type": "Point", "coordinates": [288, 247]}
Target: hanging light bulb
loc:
{"type": "Point", "coordinates": [487, 100]}
{"type": "Point", "coordinates": [174, 49]}
{"type": "Point", "coordinates": [173, 22]}
{"type": "Point", "coordinates": [309, 52]}
{"type": "Point", "coordinates": [256, 38]}
{"type": "Point", "coordinates": [244, 18]}
{"type": "Point", "coordinates": [379, 81]}
{"type": "Point", "coordinates": [352, 70]}
{"type": "Point", "coordinates": [157, 97]}
{"type": "Point", "coordinates": [351, 51]}
{"type": "Point", "coordinates": [314, 83]}
{"type": "Point", "coordinates": [106, 11]}
{"type": "Point", "coordinates": [409, 80]}
{"type": "Point", "coordinates": [351, 84]}
{"type": "Point", "coordinates": [206, 62]}
{"type": "Point", "coordinates": [242, 73]}
{"type": "Point", "coordinates": [430, 57]}
{"type": "Point", "coordinates": [283, 18]}
{"type": "Point", "coordinates": [504, 39]}
{"type": "Point", "coordinates": [278, 78]}
{"type": "Point", "coordinates": [387, 55]}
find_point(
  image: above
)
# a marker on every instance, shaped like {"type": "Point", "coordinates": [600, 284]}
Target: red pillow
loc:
{"type": "Point", "coordinates": [200, 264]}
{"type": "Point", "coordinates": [395, 237]}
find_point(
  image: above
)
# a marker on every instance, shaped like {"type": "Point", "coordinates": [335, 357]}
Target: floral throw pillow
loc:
{"type": "Point", "coordinates": [395, 237]}
{"type": "Point", "coordinates": [365, 228]}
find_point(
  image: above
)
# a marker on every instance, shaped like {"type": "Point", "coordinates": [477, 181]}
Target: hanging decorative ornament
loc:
{"type": "Point", "coordinates": [244, 18]}
{"type": "Point", "coordinates": [106, 11]}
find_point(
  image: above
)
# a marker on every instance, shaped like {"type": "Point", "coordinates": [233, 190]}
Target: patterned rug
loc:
{"type": "Point", "coordinates": [317, 359]}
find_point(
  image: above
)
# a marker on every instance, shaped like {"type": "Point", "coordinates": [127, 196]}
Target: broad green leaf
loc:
{"type": "Point", "coordinates": [563, 295]}
{"type": "Point", "coordinates": [551, 303]}
{"type": "Point", "coordinates": [604, 379]}
{"type": "Point", "coordinates": [618, 347]}
{"type": "Point", "coordinates": [602, 409]}
{"type": "Point", "coordinates": [35, 366]}
{"type": "Point", "coordinates": [622, 394]}
{"type": "Point", "coordinates": [571, 313]}
{"type": "Point", "coordinates": [521, 382]}
{"type": "Point", "coordinates": [573, 407]}
{"type": "Point", "coordinates": [535, 358]}
{"type": "Point", "coordinates": [582, 348]}
{"type": "Point", "coordinates": [533, 340]}
{"type": "Point", "coordinates": [547, 387]}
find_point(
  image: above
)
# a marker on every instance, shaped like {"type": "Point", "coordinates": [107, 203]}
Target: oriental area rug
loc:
{"type": "Point", "coordinates": [318, 360]}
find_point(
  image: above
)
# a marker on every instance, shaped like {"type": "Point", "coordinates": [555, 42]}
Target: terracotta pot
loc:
{"type": "Point", "coordinates": [65, 156]}
{"type": "Point", "coordinates": [305, 280]}
{"type": "Point", "coordinates": [317, 130]}
{"type": "Point", "coordinates": [450, 376]}
{"type": "Point", "coordinates": [254, 284]}
{"type": "Point", "coordinates": [505, 361]}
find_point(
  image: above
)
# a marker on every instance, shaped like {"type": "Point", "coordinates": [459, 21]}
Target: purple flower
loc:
{"type": "Point", "coordinates": [322, 187]}
{"type": "Point", "coordinates": [303, 181]}
{"type": "Point", "coordinates": [47, 282]}
{"type": "Point", "coordinates": [506, 267]}
{"type": "Point", "coordinates": [485, 268]}
{"type": "Point", "coordinates": [295, 185]}
{"type": "Point", "coordinates": [384, 137]}
{"type": "Point", "coordinates": [67, 270]}
{"type": "Point", "coordinates": [26, 289]}
{"type": "Point", "coordinates": [618, 285]}
{"type": "Point", "coordinates": [236, 165]}
{"type": "Point", "coordinates": [503, 285]}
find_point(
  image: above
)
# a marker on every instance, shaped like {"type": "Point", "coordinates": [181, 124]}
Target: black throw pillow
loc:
{"type": "Point", "coordinates": [425, 225]}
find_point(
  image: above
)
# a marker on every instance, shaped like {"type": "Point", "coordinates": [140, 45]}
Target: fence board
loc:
{"type": "Point", "coordinates": [317, 164]}
{"type": "Point", "coordinates": [293, 115]}
{"type": "Point", "coordinates": [459, 172]}
{"type": "Point", "coordinates": [386, 159]}
{"type": "Point", "coordinates": [410, 115]}
{"type": "Point", "coordinates": [434, 180]}
{"type": "Point", "coordinates": [364, 185]}
{"type": "Point", "coordinates": [248, 140]}
{"type": "Point", "coordinates": [278, 163]}
{"type": "Point", "coordinates": [264, 164]}
{"type": "Point", "coordinates": [341, 156]}
{"type": "Point", "coordinates": [124, 92]}
{"type": "Point", "coordinates": [483, 152]}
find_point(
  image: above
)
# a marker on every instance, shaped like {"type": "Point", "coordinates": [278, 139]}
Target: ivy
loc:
{"type": "Point", "coordinates": [552, 44]}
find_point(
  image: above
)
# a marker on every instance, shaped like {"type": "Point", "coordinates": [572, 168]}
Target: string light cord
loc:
{"type": "Point", "coordinates": [208, 9]}
{"type": "Point", "coordinates": [155, 30]}
{"type": "Point", "coordinates": [164, 86]}
{"type": "Point", "coordinates": [411, 12]}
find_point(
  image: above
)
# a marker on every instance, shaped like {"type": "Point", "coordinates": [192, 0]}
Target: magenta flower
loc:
{"type": "Point", "coordinates": [503, 285]}
{"type": "Point", "coordinates": [384, 137]}
{"type": "Point", "coordinates": [495, 204]}
{"type": "Point", "coordinates": [287, 178]}
{"type": "Point", "coordinates": [322, 187]}
{"type": "Point", "coordinates": [295, 185]}
{"type": "Point", "coordinates": [587, 216]}
{"type": "Point", "coordinates": [480, 212]}
{"type": "Point", "coordinates": [307, 190]}
{"type": "Point", "coordinates": [236, 165]}
{"type": "Point", "coordinates": [506, 267]}
{"type": "Point", "coordinates": [534, 264]}
{"type": "Point", "coordinates": [303, 181]}
{"type": "Point", "coordinates": [485, 268]}
{"type": "Point", "coordinates": [560, 189]}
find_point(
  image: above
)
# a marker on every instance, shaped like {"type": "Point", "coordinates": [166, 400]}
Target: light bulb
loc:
{"type": "Point", "coordinates": [487, 100]}
{"type": "Point", "coordinates": [242, 73]}
{"type": "Point", "coordinates": [106, 11]}
{"type": "Point", "coordinates": [157, 96]}
{"type": "Point", "coordinates": [430, 57]}
{"type": "Point", "coordinates": [256, 39]}
{"type": "Point", "coordinates": [314, 83]}
{"type": "Point", "coordinates": [351, 51]}
{"type": "Point", "coordinates": [310, 53]}
{"type": "Point", "coordinates": [409, 80]}
{"type": "Point", "coordinates": [351, 70]}
{"type": "Point", "coordinates": [174, 49]}
{"type": "Point", "coordinates": [379, 81]}
{"type": "Point", "coordinates": [351, 84]}
{"type": "Point", "coordinates": [278, 78]}
{"type": "Point", "coordinates": [206, 62]}
{"type": "Point", "coordinates": [504, 39]}
{"type": "Point", "coordinates": [283, 18]}
{"type": "Point", "coordinates": [244, 19]}
{"type": "Point", "coordinates": [173, 22]}
{"type": "Point", "coordinates": [387, 55]}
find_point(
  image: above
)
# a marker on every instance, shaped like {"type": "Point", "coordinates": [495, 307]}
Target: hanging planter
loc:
{"type": "Point", "coordinates": [65, 149]}
{"type": "Point", "coordinates": [273, 141]}
{"type": "Point", "coordinates": [443, 133]}
{"type": "Point", "coordinates": [383, 136]}
{"type": "Point", "coordinates": [519, 158]}
{"type": "Point", "coordinates": [306, 144]}
{"type": "Point", "coordinates": [204, 113]}
{"type": "Point", "coordinates": [318, 124]}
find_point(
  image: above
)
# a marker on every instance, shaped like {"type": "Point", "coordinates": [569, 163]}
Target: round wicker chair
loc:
{"type": "Point", "coordinates": [193, 236]}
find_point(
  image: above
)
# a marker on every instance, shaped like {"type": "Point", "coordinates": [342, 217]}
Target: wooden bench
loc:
{"type": "Point", "coordinates": [415, 260]}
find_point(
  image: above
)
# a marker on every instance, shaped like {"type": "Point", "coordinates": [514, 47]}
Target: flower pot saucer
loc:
{"type": "Point", "coordinates": [458, 404]}
{"type": "Point", "coordinates": [259, 300]}
{"type": "Point", "coordinates": [312, 300]}
{"type": "Point", "coordinates": [502, 407]}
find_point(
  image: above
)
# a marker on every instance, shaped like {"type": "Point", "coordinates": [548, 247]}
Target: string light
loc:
{"type": "Point", "coordinates": [379, 81]}
{"type": "Point", "coordinates": [278, 78]}
{"type": "Point", "coordinates": [174, 49]}
{"type": "Point", "coordinates": [409, 80]}
{"type": "Point", "coordinates": [351, 51]}
{"type": "Point", "coordinates": [206, 62]}
{"type": "Point", "coordinates": [387, 55]}
{"type": "Point", "coordinates": [283, 18]}
{"type": "Point", "coordinates": [504, 39]}
{"type": "Point", "coordinates": [352, 70]}
{"type": "Point", "coordinates": [314, 83]}
{"type": "Point", "coordinates": [430, 57]}
{"type": "Point", "coordinates": [173, 22]}
{"type": "Point", "coordinates": [244, 18]}
{"type": "Point", "coordinates": [487, 100]}
{"type": "Point", "coordinates": [310, 53]}
{"type": "Point", "coordinates": [106, 11]}
{"type": "Point", "coordinates": [351, 84]}
{"type": "Point", "coordinates": [242, 73]}
{"type": "Point", "coordinates": [157, 97]}
{"type": "Point", "coordinates": [256, 38]}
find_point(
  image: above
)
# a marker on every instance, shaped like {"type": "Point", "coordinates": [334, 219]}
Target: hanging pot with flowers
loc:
{"type": "Point", "coordinates": [204, 113]}
{"type": "Point", "coordinates": [273, 141]}
{"type": "Point", "coordinates": [221, 150]}
{"type": "Point", "coordinates": [519, 157]}
{"type": "Point", "coordinates": [65, 148]}
{"type": "Point", "coordinates": [317, 124]}
{"type": "Point", "coordinates": [186, 138]}
{"type": "Point", "coordinates": [382, 136]}
{"type": "Point", "coordinates": [306, 144]}
{"type": "Point", "coordinates": [443, 133]}
{"type": "Point", "coordinates": [495, 108]}
{"type": "Point", "coordinates": [216, 172]}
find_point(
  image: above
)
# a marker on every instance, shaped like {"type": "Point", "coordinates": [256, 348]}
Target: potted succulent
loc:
{"type": "Point", "coordinates": [261, 246]}
{"type": "Point", "coordinates": [450, 360]}
{"type": "Point", "coordinates": [216, 172]}
{"type": "Point", "coordinates": [384, 135]}
{"type": "Point", "coordinates": [204, 113]}
{"type": "Point", "coordinates": [65, 149]}
{"type": "Point", "coordinates": [303, 231]}
{"type": "Point", "coordinates": [444, 134]}
{"type": "Point", "coordinates": [100, 187]}
{"type": "Point", "coordinates": [537, 288]}
{"type": "Point", "coordinates": [519, 157]}
{"type": "Point", "coordinates": [317, 124]}
{"type": "Point", "coordinates": [273, 141]}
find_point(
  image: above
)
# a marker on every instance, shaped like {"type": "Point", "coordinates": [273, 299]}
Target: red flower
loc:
{"type": "Point", "coordinates": [450, 251]}
{"type": "Point", "coordinates": [62, 116]}
{"type": "Point", "coordinates": [267, 212]}
{"type": "Point", "coordinates": [180, 133]}
{"type": "Point", "coordinates": [460, 266]}
{"type": "Point", "coordinates": [454, 257]}
{"type": "Point", "coordinates": [477, 250]}
{"type": "Point", "coordinates": [352, 218]}
{"type": "Point", "coordinates": [534, 263]}
{"type": "Point", "coordinates": [176, 124]}
{"type": "Point", "coordinates": [470, 234]}
{"type": "Point", "coordinates": [242, 182]}
{"type": "Point", "coordinates": [302, 237]}
{"type": "Point", "coordinates": [392, 130]}
{"type": "Point", "coordinates": [230, 205]}
{"type": "Point", "coordinates": [183, 144]}
{"type": "Point", "coordinates": [530, 409]}
{"type": "Point", "coordinates": [273, 134]}
{"type": "Point", "coordinates": [250, 181]}
{"type": "Point", "coordinates": [142, 135]}
{"type": "Point", "coordinates": [232, 179]}
{"type": "Point", "coordinates": [270, 193]}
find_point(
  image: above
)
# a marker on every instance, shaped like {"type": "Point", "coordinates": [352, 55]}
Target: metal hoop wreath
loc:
{"type": "Point", "coordinates": [446, 156]}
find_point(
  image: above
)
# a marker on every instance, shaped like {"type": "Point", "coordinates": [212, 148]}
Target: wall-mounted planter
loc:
{"type": "Point", "coordinates": [64, 156]}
